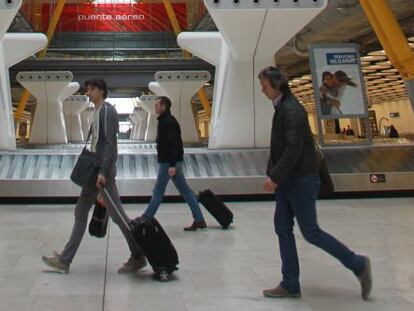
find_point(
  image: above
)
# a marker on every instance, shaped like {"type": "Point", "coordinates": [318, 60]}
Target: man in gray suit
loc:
{"type": "Point", "coordinates": [104, 130]}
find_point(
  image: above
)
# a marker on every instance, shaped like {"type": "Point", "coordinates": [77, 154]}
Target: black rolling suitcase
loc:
{"type": "Point", "coordinates": [153, 241]}
{"type": "Point", "coordinates": [216, 208]}
{"type": "Point", "coordinates": [156, 245]}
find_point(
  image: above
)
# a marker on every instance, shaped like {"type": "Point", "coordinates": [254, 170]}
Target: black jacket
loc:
{"type": "Point", "coordinates": [169, 143]}
{"type": "Point", "coordinates": [106, 147]}
{"type": "Point", "coordinates": [292, 151]}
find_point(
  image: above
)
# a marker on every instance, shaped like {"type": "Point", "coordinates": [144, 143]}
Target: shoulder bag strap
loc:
{"type": "Point", "coordinates": [89, 136]}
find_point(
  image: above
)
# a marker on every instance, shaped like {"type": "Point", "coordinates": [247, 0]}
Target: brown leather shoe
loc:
{"type": "Point", "coordinates": [365, 278]}
{"type": "Point", "coordinates": [196, 225]}
{"type": "Point", "coordinates": [279, 292]}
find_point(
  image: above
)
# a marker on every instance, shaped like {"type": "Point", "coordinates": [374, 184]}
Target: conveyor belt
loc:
{"type": "Point", "coordinates": [45, 172]}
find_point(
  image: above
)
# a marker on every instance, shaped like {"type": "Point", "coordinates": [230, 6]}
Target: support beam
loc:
{"type": "Point", "coordinates": [174, 22]}
{"type": "Point", "coordinates": [14, 47]}
{"type": "Point", "coordinates": [50, 89]}
{"type": "Point", "coordinates": [37, 16]}
{"type": "Point", "coordinates": [52, 25]}
{"type": "Point", "coordinates": [246, 42]}
{"type": "Point", "coordinates": [392, 39]}
{"type": "Point", "coordinates": [50, 33]}
{"type": "Point", "coordinates": [205, 102]}
{"type": "Point", "coordinates": [177, 29]}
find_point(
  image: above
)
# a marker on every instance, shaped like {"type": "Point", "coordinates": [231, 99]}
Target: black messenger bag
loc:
{"type": "Point", "coordinates": [85, 170]}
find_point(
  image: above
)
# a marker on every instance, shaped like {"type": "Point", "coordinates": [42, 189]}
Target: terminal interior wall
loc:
{"type": "Point", "coordinates": [405, 123]}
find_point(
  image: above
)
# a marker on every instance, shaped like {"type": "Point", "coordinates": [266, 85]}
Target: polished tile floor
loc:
{"type": "Point", "coordinates": [219, 270]}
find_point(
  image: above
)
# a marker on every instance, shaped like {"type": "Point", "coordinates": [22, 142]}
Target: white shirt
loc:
{"type": "Point", "coordinates": [95, 129]}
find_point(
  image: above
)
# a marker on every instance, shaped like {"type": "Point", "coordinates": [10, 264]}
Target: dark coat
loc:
{"type": "Point", "coordinates": [393, 133]}
{"type": "Point", "coordinates": [293, 151]}
{"type": "Point", "coordinates": [106, 147]}
{"type": "Point", "coordinates": [169, 142]}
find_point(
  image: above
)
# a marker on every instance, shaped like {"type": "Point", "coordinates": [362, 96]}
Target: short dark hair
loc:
{"type": "Point", "coordinates": [342, 77]}
{"type": "Point", "coordinates": [276, 78]}
{"type": "Point", "coordinates": [326, 74]}
{"type": "Point", "coordinates": [164, 100]}
{"type": "Point", "coordinates": [98, 83]}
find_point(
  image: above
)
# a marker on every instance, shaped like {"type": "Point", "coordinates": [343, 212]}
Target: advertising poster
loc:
{"type": "Point", "coordinates": [338, 82]}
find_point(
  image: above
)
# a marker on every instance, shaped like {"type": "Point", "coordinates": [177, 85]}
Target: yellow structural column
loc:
{"type": "Point", "coordinates": [174, 21]}
{"type": "Point", "coordinates": [205, 102]}
{"type": "Point", "coordinates": [50, 33]}
{"type": "Point", "coordinates": [53, 24]}
{"type": "Point", "coordinates": [37, 16]}
{"type": "Point", "coordinates": [177, 29]}
{"type": "Point", "coordinates": [390, 35]}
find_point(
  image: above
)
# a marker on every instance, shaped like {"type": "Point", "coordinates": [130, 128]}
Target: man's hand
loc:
{"type": "Point", "coordinates": [269, 185]}
{"type": "Point", "coordinates": [172, 171]}
{"type": "Point", "coordinates": [101, 182]}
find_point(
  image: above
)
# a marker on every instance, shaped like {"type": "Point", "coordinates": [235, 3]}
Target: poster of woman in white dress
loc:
{"type": "Point", "coordinates": [336, 89]}
{"type": "Point", "coordinates": [340, 90]}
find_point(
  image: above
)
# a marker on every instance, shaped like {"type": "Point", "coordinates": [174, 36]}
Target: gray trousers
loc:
{"type": "Point", "coordinates": [87, 198]}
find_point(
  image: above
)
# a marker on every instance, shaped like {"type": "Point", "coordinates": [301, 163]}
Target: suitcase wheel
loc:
{"type": "Point", "coordinates": [162, 275]}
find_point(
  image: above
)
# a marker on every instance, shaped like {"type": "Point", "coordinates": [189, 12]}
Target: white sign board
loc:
{"type": "Point", "coordinates": [338, 81]}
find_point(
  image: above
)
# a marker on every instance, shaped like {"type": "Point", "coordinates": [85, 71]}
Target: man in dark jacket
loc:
{"type": "Point", "coordinates": [104, 130]}
{"type": "Point", "coordinates": [170, 158]}
{"type": "Point", "coordinates": [393, 132]}
{"type": "Point", "coordinates": [293, 175]}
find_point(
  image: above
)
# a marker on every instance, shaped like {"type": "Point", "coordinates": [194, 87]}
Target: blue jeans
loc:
{"type": "Point", "coordinates": [182, 186]}
{"type": "Point", "coordinates": [296, 197]}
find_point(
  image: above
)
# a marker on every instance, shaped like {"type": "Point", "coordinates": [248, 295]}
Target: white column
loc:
{"type": "Point", "coordinates": [156, 88]}
{"type": "Point", "coordinates": [72, 107]}
{"type": "Point", "coordinates": [14, 47]}
{"type": "Point", "coordinates": [180, 87]}
{"type": "Point", "coordinates": [250, 33]}
{"type": "Point", "coordinates": [50, 88]}
{"type": "Point", "coordinates": [143, 121]}
{"type": "Point", "coordinates": [147, 103]}
{"type": "Point", "coordinates": [142, 118]}
{"type": "Point", "coordinates": [134, 124]}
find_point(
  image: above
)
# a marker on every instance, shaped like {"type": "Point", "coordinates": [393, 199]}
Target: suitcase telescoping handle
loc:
{"type": "Point", "coordinates": [112, 204]}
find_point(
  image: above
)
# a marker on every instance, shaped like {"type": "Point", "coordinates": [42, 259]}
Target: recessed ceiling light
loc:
{"type": "Point", "coordinates": [378, 67]}
{"type": "Point", "coordinates": [375, 74]}
{"type": "Point", "coordinates": [370, 58]}
{"type": "Point", "coordinates": [307, 77]}
{"type": "Point", "coordinates": [393, 70]}
{"type": "Point", "coordinates": [377, 53]}
{"type": "Point", "coordinates": [395, 83]}
{"type": "Point", "coordinates": [389, 74]}
{"type": "Point", "coordinates": [384, 63]}
{"type": "Point", "coordinates": [368, 70]}
{"type": "Point", "coordinates": [299, 81]}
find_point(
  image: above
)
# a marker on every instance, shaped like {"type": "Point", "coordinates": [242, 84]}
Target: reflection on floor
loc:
{"type": "Point", "coordinates": [219, 270]}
